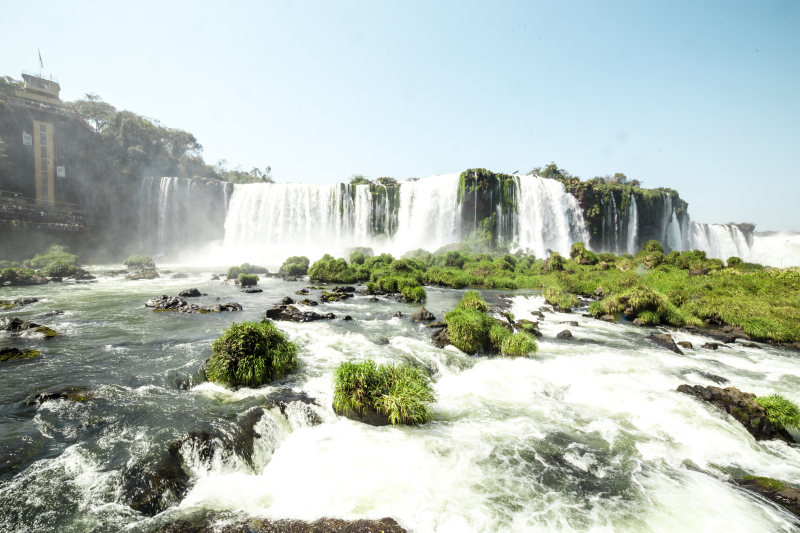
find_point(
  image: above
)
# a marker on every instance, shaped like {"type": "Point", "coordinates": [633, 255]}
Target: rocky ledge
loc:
{"type": "Point", "coordinates": [741, 406]}
{"type": "Point", "coordinates": [773, 490]}
{"type": "Point", "coordinates": [176, 303]}
{"type": "Point", "coordinates": [205, 524]}
{"type": "Point", "coordinates": [293, 314]}
{"type": "Point", "coordinates": [18, 326]}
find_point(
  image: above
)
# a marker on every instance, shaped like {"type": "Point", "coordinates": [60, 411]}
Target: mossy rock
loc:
{"type": "Point", "coordinates": [7, 354]}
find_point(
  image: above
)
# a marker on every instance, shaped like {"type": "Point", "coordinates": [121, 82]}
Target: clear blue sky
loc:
{"type": "Point", "coordinates": [700, 96]}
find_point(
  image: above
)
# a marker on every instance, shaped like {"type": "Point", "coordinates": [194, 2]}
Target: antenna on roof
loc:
{"type": "Point", "coordinates": [41, 64]}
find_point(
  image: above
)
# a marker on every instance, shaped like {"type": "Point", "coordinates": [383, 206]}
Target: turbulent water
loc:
{"type": "Point", "coordinates": [588, 435]}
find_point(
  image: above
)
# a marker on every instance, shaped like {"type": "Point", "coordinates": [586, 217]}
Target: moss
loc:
{"type": "Point", "coordinates": [7, 354]}
{"type": "Point", "coordinates": [519, 344]}
{"type": "Point", "coordinates": [248, 280]}
{"type": "Point", "coordinates": [47, 332]}
{"type": "Point", "coordinates": [250, 354]}
{"type": "Point", "coordinates": [767, 483]}
{"type": "Point", "coordinates": [401, 393]}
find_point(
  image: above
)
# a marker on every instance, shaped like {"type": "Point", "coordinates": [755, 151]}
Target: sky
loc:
{"type": "Point", "coordinates": [699, 96]}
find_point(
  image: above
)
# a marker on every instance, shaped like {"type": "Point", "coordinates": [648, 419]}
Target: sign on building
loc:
{"type": "Point", "coordinates": [27, 139]}
{"type": "Point", "coordinates": [61, 172]}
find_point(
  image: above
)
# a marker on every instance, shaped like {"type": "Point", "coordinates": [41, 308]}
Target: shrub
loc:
{"type": "Point", "coordinates": [139, 261]}
{"type": "Point", "coordinates": [297, 265]}
{"type": "Point", "coordinates": [498, 333]}
{"type": "Point", "coordinates": [472, 300]}
{"type": "Point", "coordinates": [554, 263]}
{"type": "Point", "coordinates": [468, 328]}
{"type": "Point", "coordinates": [734, 262]}
{"type": "Point", "coordinates": [233, 272]}
{"type": "Point", "coordinates": [250, 354]}
{"type": "Point", "coordinates": [780, 411]}
{"type": "Point", "coordinates": [329, 269]}
{"type": "Point", "coordinates": [558, 296]}
{"type": "Point", "coordinates": [59, 269]}
{"type": "Point", "coordinates": [413, 294]}
{"type": "Point", "coordinates": [519, 344]}
{"type": "Point", "coordinates": [653, 246]}
{"type": "Point", "coordinates": [248, 280]}
{"type": "Point", "coordinates": [454, 259]}
{"type": "Point", "coordinates": [399, 392]}
{"type": "Point", "coordinates": [53, 254]}
{"type": "Point", "coordinates": [649, 318]}
{"type": "Point", "coordinates": [357, 258]}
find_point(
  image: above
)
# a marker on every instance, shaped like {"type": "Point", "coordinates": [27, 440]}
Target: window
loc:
{"type": "Point", "coordinates": [42, 128]}
{"type": "Point", "coordinates": [45, 164]}
{"type": "Point", "coordinates": [44, 151]}
{"type": "Point", "coordinates": [43, 138]}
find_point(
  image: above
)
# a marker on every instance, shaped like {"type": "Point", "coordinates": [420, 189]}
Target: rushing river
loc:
{"type": "Point", "coordinates": [588, 435]}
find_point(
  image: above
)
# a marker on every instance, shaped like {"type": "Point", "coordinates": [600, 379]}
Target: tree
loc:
{"type": "Point", "coordinates": [93, 110]}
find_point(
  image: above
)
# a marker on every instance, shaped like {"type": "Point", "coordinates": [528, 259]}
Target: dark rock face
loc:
{"type": "Point", "coordinates": [685, 344]}
{"type": "Point", "coordinates": [566, 334]}
{"type": "Point", "coordinates": [154, 484]}
{"type": "Point", "coordinates": [292, 314]}
{"type": "Point", "coordinates": [727, 334]}
{"type": "Point", "coordinates": [773, 490]}
{"type": "Point", "coordinates": [422, 315]}
{"type": "Point", "coordinates": [741, 406]}
{"type": "Point", "coordinates": [287, 301]}
{"type": "Point", "coordinates": [711, 345]}
{"type": "Point", "coordinates": [17, 326]}
{"type": "Point", "coordinates": [309, 301]}
{"type": "Point", "coordinates": [665, 341]}
{"type": "Point", "coordinates": [440, 338]}
{"type": "Point", "coordinates": [205, 524]}
{"type": "Point", "coordinates": [176, 303]}
{"type": "Point", "coordinates": [6, 354]}
{"type": "Point", "coordinates": [370, 417]}
{"type": "Point", "coordinates": [190, 293]}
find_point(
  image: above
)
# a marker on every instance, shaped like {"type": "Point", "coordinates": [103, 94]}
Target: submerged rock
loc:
{"type": "Point", "coordinates": [6, 354]}
{"type": "Point", "coordinates": [17, 326]}
{"type": "Point", "coordinates": [335, 296]}
{"type": "Point", "coordinates": [293, 314]}
{"type": "Point", "coordinates": [153, 484]}
{"type": "Point", "coordinates": [179, 275]}
{"type": "Point", "coordinates": [773, 490]}
{"type": "Point", "coordinates": [665, 341]}
{"type": "Point", "coordinates": [726, 334]}
{"type": "Point", "coordinates": [529, 326]}
{"type": "Point", "coordinates": [711, 345]}
{"type": "Point", "coordinates": [707, 375]}
{"type": "Point", "coordinates": [176, 303]}
{"type": "Point", "coordinates": [741, 406]}
{"type": "Point", "coordinates": [72, 394]}
{"type": "Point", "coordinates": [287, 300]}
{"type": "Point", "coordinates": [5, 305]}
{"type": "Point", "coordinates": [370, 417]}
{"type": "Point", "coordinates": [440, 338]}
{"type": "Point", "coordinates": [309, 302]}
{"type": "Point", "coordinates": [253, 290]}
{"type": "Point", "coordinates": [145, 273]}
{"type": "Point", "coordinates": [422, 315]}
{"type": "Point", "coordinates": [566, 334]}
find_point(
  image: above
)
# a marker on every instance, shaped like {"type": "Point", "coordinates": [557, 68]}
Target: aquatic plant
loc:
{"type": "Point", "coordinates": [250, 354]}
{"type": "Point", "coordinates": [401, 393]}
{"type": "Point", "coordinates": [781, 412]}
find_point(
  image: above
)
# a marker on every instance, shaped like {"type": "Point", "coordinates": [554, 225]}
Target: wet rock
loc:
{"type": "Point", "coordinates": [309, 301]}
{"type": "Point", "coordinates": [665, 341]}
{"type": "Point", "coordinates": [599, 292]}
{"type": "Point", "coordinates": [741, 406]}
{"type": "Point", "coordinates": [334, 296]}
{"type": "Point", "coordinates": [252, 290]}
{"type": "Point", "coordinates": [571, 323]}
{"type": "Point", "coordinates": [607, 318]}
{"type": "Point", "coordinates": [545, 309]}
{"type": "Point", "coordinates": [7, 354]}
{"type": "Point", "coordinates": [176, 303]}
{"type": "Point", "coordinates": [11, 277]}
{"type": "Point", "coordinates": [146, 273]}
{"type": "Point", "coordinates": [398, 314]}
{"type": "Point", "coordinates": [566, 334]}
{"type": "Point", "coordinates": [528, 325]}
{"type": "Point", "coordinates": [292, 314]}
{"type": "Point", "coordinates": [207, 523]}
{"type": "Point", "coordinates": [72, 394]}
{"type": "Point", "coordinates": [215, 277]}
{"type": "Point", "coordinates": [381, 341]}
{"type": "Point", "coordinates": [370, 416]}
{"type": "Point", "coordinates": [302, 292]}
{"type": "Point", "coordinates": [685, 344]}
{"type": "Point", "coordinates": [51, 314]}
{"type": "Point", "coordinates": [750, 345]}
{"type": "Point", "coordinates": [437, 324]}
{"type": "Point", "coordinates": [639, 322]}
{"type": "Point", "coordinates": [287, 300]}
{"type": "Point", "coordinates": [179, 275]}
{"type": "Point", "coordinates": [18, 326]}
{"type": "Point", "coordinates": [712, 377]}
{"type": "Point", "coordinates": [374, 299]}
{"type": "Point", "coordinates": [17, 452]}
{"type": "Point", "coordinates": [773, 490]}
{"type": "Point", "coordinates": [190, 293]}
{"type": "Point", "coordinates": [422, 315]}
{"type": "Point", "coordinates": [440, 338]}
{"type": "Point", "coordinates": [538, 314]}
{"type": "Point", "coordinates": [727, 334]}
{"type": "Point", "coordinates": [155, 483]}
{"type": "Point", "coordinates": [5, 305]}
{"type": "Point", "coordinates": [344, 290]}
{"type": "Point", "coordinates": [711, 345]}
{"type": "Point", "coordinates": [347, 317]}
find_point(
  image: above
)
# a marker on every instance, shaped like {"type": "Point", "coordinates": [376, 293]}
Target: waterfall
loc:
{"type": "Point", "coordinates": [429, 214]}
{"type": "Point", "coordinates": [548, 218]}
{"type": "Point", "coordinates": [633, 226]}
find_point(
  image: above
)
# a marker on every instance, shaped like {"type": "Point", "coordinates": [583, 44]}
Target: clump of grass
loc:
{"type": "Point", "coordinates": [519, 344]}
{"type": "Point", "coordinates": [59, 269]}
{"type": "Point", "coordinates": [767, 483]}
{"type": "Point", "coordinates": [473, 300]}
{"type": "Point", "coordinates": [139, 261]}
{"type": "Point", "coordinates": [248, 280]}
{"type": "Point", "coordinates": [55, 253]}
{"type": "Point", "coordinates": [332, 270]}
{"type": "Point", "coordinates": [401, 393]}
{"type": "Point", "coordinates": [557, 296]}
{"type": "Point", "coordinates": [498, 333]}
{"type": "Point", "coordinates": [780, 411]}
{"type": "Point", "coordinates": [468, 329]}
{"type": "Point", "coordinates": [296, 265]}
{"type": "Point", "coordinates": [413, 294]}
{"type": "Point", "coordinates": [250, 354]}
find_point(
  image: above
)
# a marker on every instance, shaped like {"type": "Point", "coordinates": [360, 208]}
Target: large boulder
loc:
{"type": "Point", "coordinates": [665, 341]}
{"type": "Point", "coordinates": [5, 305]}
{"type": "Point", "coordinates": [293, 314]}
{"type": "Point", "coordinates": [155, 483]}
{"type": "Point", "coordinates": [741, 406]}
{"type": "Point", "coordinates": [176, 303]}
{"type": "Point", "coordinates": [422, 315]}
{"type": "Point", "coordinates": [190, 293]}
{"type": "Point", "coordinates": [6, 354]}
{"type": "Point", "coordinates": [727, 334]}
{"type": "Point", "coordinates": [145, 273]}
{"type": "Point", "coordinates": [18, 326]}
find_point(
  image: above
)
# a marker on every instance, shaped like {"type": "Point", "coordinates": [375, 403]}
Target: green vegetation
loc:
{"type": "Point", "coordinates": [59, 269]}
{"type": "Point", "coordinates": [780, 411]}
{"type": "Point", "coordinates": [248, 280]}
{"type": "Point", "coordinates": [519, 344]}
{"type": "Point", "coordinates": [328, 269]}
{"type": "Point", "coordinates": [767, 483]}
{"type": "Point", "coordinates": [250, 354]}
{"type": "Point", "coordinates": [245, 268]}
{"type": "Point", "coordinates": [55, 253]}
{"type": "Point", "coordinates": [7, 354]}
{"type": "Point", "coordinates": [560, 298]}
{"type": "Point", "coordinates": [295, 266]}
{"type": "Point", "coordinates": [140, 261]}
{"type": "Point", "coordinates": [401, 393]}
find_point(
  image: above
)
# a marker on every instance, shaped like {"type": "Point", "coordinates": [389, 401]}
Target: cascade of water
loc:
{"type": "Point", "coordinates": [549, 218]}
{"type": "Point", "coordinates": [614, 224]}
{"type": "Point", "coordinates": [429, 216]}
{"type": "Point", "coordinates": [720, 240]}
{"type": "Point", "coordinates": [633, 226]}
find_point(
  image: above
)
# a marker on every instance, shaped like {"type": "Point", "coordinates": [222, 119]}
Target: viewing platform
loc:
{"type": "Point", "coordinates": [19, 212]}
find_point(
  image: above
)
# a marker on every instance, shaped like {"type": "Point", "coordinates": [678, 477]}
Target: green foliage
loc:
{"type": "Point", "coordinates": [781, 412]}
{"type": "Point", "coordinates": [295, 266]}
{"type": "Point", "coordinates": [767, 483]}
{"type": "Point", "coordinates": [554, 263]}
{"type": "Point", "coordinates": [233, 272]}
{"type": "Point", "coordinates": [734, 262]}
{"type": "Point", "coordinates": [59, 269]}
{"type": "Point", "coordinates": [331, 270]}
{"type": "Point", "coordinates": [55, 253]}
{"type": "Point", "coordinates": [498, 333]}
{"type": "Point", "coordinates": [413, 294]}
{"type": "Point", "coordinates": [248, 280]}
{"type": "Point", "coordinates": [139, 261]}
{"type": "Point", "coordinates": [519, 344]}
{"type": "Point", "coordinates": [357, 258]}
{"type": "Point", "coordinates": [555, 295]}
{"type": "Point", "coordinates": [401, 393]}
{"type": "Point", "coordinates": [653, 246]}
{"type": "Point", "coordinates": [250, 354]}
{"type": "Point", "coordinates": [468, 329]}
{"type": "Point", "coordinates": [472, 300]}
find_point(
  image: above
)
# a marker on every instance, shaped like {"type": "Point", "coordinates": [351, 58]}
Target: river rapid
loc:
{"type": "Point", "coordinates": [587, 435]}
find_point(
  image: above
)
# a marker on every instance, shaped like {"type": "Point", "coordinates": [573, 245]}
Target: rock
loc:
{"type": "Point", "coordinates": [545, 309]}
{"type": "Point", "coordinates": [422, 315]}
{"type": "Point", "coordinates": [566, 334]}
{"type": "Point", "coordinates": [607, 318]}
{"type": "Point", "coordinates": [215, 277]}
{"type": "Point", "coordinates": [639, 322]}
{"type": "Point", "coordinates": [10, 277]}
{"type": "Point", "coordinates": [773, 490]}
{"type": "Point", "coordinates": [698, 272]}
{"type": "Point", "coordinates": [73, 394]}
{"type": "Point", "coordinates": [440, 338]}
{"type": "Point", "coordinates": [302, 292]}
{"type": "Point", "coordinates": [685, 344]}
{"type": "Point", "coordinates": [370, 416]}
{"type": "Point", "coordinates": [437, 324]}
{"type": "Point", "coordinates": [381, 341]}
{"type": "Point", "coordinates": [726, 334]}
{"type": "Point", "coordinates": [206, 522]}
{"type": "Point", "coordinates": [334, 296]}
{"type": "Point", "coordinates": [347, 317]}
{"type": "Point", "coordinates": [6, 354]}
{"type": "Point", "coordinates": [741, 406]}
{"type": "Point", "coordinates": [398, 314]}
{"type": "Point", "coordinates": [292, 314]}
{"type": "Point", "coordinates": [344, 290]}
{"type": "Point", "coordinates": [17, 326]}
{"type": "Point", "coordinates": [711, 345]}
{"type": "Point", "coordinates": [308, 301]}
{"type": "Point", "coordinates": [750, 345]}
{"type": "Point", "coordinates": [190, 293]}
{"type": "Point", "coordinates": [712, 377]}
{"type": "Point", "coordinates": [153, 484]}
{"type": "Point", "coordinates": [5, 305]}
{"type": "Point", "coordinates": [145, 273]}
{"type": "Point", "coordinates": [665, 341]}
{"type": "Point", "coordinates": [572, 323]}
{"type": "Point", "coordinates": [599, 292]}
{"type": "Point", "coordinates": [374, 299]}
{"type": "Point", "coordinates": [529, 326]}
{"type": "Point", "coordinates": [176, 303]}
{"type": "Point", "coordinates": [179, 275]}
{"type": "Point", "coordinates": [538, 314]}
{"type": "Point", "coordinates": [287, 301]}
{"type": "Point", "coordinates": [253, 290]}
